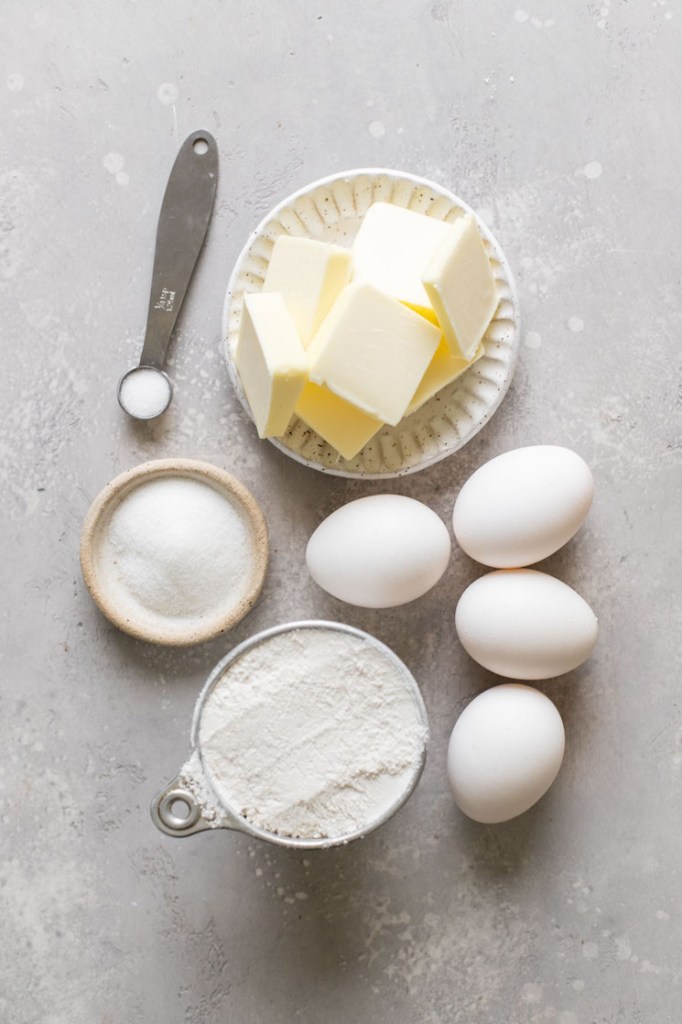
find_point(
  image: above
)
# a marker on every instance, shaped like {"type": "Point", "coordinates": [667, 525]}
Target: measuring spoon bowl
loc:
{"type": "Point", "coordinates": [144, 392]}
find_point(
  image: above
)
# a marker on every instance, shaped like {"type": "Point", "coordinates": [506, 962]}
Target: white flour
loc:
{"type": "Point", "coordinates": [193, 779]}
{"type": "Point", "coordinates": [178, 548]}
{"type": "Point", "coordinates": [312, 733]}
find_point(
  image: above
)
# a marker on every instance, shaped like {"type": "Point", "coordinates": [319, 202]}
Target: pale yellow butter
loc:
{"type": "Point", "coordinates": [309, 275]}
{"type": "Point", "coordinates": [372, 351]}
{"type": "Point", "coordinates": [444, 368]}
{"type": "Point", "coordinates": [461, 287]}
{"type": "Point", "coordinates": [393, 248]}
{"type": "Point", "coordinates": [342, 425]}
{"type": "Point", "coordinates": [271, 361]}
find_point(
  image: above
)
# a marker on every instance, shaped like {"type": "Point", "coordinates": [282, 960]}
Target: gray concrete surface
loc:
{"type": "Point", "coordinates": [560, 123]}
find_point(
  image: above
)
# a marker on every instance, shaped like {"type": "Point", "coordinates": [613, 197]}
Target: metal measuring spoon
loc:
{"type": "Point", "coordinates": [146, 391]}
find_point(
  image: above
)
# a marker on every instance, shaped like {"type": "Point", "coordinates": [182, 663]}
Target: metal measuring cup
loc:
{"type": "Point", "coordinates": [182, 808]}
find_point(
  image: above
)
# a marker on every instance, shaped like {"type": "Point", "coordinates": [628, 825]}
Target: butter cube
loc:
{"type": "Point", "coordinates": [393, 248]}
{"type": "Point", "coordinates": [373, 351]}
{"type": "Point", "coordinates": [309, 275]}
{"type": "Point", "coordinates": [342, 425]}
{"type": "Point", "coordinates": [271, 362]}
{"type": "Point", "coordinates": [444, 368]}
{"type": "Point", "coordinates": [461, 287]}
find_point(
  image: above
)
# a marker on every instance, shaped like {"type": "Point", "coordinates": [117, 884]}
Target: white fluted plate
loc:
{"type": "Point", "coordinates": [331, 210]}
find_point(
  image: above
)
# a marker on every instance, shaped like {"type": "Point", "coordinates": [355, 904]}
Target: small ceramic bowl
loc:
{"type": "Point", "coordinates": [331, 210]}
{"type": "Point", "coordinates": [124, 608]}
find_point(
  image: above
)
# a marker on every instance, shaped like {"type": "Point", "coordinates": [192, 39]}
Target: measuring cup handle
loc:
{"type": "Point", "coordinates": [183, 223]}
{"type": "Point", "coordinates": [164, 812]}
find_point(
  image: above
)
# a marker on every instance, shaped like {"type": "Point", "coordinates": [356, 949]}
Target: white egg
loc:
{"type": "Point", "coordinates": [522, 506]}
{"type": "Point", "coordinates": [525, 624]}
{"type": "Point", "coordinates": [379, 551]}
{"type": "Point", "coordinates": [505, 751]}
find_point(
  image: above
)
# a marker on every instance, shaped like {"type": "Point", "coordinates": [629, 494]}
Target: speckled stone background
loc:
{"type": "Point", "coordinates": [560, 124]}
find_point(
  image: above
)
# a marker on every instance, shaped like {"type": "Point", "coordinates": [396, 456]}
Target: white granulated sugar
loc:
{"type": "Point", "coordinates": [178, 548]}
{"type": "Point", "coordinates": [145, 392]}
{"type": "Point", "coordinates": [312, 733]}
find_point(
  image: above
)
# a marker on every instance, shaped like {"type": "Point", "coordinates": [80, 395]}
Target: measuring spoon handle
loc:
{"type": "Point", "coordinates": [183, 222]}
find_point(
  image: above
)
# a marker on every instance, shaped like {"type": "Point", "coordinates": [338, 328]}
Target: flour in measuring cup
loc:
{"type": "Point", "coordinates": [312, 733]}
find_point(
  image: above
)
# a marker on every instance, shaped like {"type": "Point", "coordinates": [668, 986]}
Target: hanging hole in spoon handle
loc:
{"type": "Point", "coordinates": [176, 811]}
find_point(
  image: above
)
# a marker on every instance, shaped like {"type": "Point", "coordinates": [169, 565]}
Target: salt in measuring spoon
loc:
{"type": "Point", "coordinates": [145, 391]}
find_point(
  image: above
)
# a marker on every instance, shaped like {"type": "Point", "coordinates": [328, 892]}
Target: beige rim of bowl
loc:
{"type": "Point", "coordinates": [98, 518]}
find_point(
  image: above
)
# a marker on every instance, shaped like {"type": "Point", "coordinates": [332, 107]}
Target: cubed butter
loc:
{"type": "Point", "coordinates": [444, 368]}
{"type": "Point", "coordinates": [461, 287]}
{"type": "Point", "coordinates": [271, 361]}
{"type": "Point", "coordinates": [309, 275]}
{"type": "Point", "coordinates": [393, 248]}
{"type": "Point", "coordinates": [372, 351]}
{"type": "Point", "coordinates": [342, 425]}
